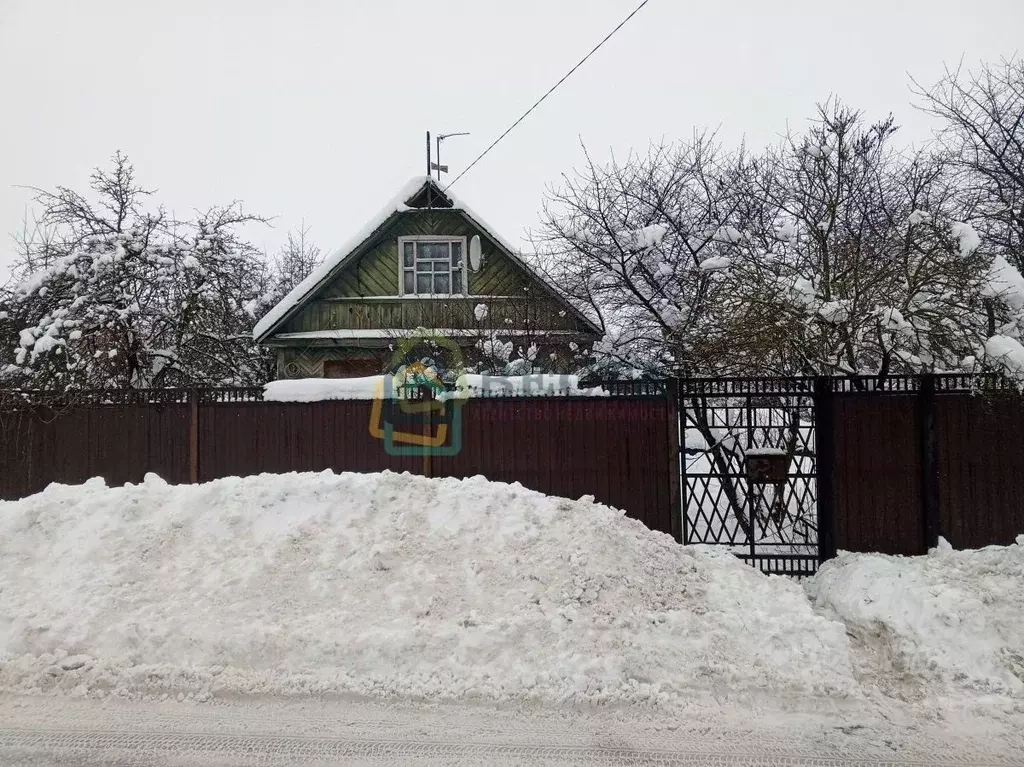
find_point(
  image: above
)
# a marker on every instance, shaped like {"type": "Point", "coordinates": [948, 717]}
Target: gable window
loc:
{"type": "Point", "coordinates": [432, 266]}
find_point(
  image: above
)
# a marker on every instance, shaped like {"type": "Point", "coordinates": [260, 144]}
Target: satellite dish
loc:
{"type": "Point", "coordinates": [474, 253]}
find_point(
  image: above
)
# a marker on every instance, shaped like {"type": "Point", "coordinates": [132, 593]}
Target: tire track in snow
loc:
{"type": "Point", "coordinates": [59, 731]}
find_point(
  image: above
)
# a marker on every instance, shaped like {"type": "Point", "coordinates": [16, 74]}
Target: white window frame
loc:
{"type": "Point", "coordinates": [431, 238]}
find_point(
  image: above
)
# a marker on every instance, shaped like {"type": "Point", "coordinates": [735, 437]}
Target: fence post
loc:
{"type": "Point", "coordinates": [824, 461]}
{"type": "Point", "coordinates": [930, 520]}
{"type": "Point", "coordinates": [675, 450]}
{"type": "Point", "coordinates": [193, 436]}
{"type": "Point", "coordinates": [428, 430]}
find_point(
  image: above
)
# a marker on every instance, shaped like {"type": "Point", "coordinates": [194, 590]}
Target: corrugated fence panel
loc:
{"type": "Point", "coordinates": [119, 443]}
{"type": "Point", "coordinates": [614, 449]}
{"type": "Point", "coordinates": [981, 462]}
{"type": "Point", "coordinates": [241, 439]}
{"type": "Point", "coordinates": [878, 474]}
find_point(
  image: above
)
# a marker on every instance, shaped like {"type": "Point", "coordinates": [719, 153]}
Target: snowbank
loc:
{"type": "Point", "coordinates": [953, 618]}
{"type": "Point", "coordinates": [386, 584]}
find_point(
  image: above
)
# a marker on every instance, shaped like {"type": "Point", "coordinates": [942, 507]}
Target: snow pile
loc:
{"type": "Point", "coordinates": [317, 389]}
{"type": "Point", "coordinates": [385, 584]}
{"type": "Point", "coordinates": [953, 618]}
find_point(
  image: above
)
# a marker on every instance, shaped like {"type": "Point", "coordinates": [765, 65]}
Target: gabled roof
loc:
{"type": "Point", "coordinates": [420, 192]}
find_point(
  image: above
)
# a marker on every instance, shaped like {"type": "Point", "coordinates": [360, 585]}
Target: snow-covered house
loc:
{"type": "Point", "coordinates": [425, 261]}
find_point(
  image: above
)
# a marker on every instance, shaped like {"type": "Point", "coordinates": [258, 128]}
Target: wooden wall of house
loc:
{"type": "Point", "coordinates": [524, 313]}
{"type": "Point", "coordinates": [364, 296]}
{"type": "Point", "coordinates": [313, 361]}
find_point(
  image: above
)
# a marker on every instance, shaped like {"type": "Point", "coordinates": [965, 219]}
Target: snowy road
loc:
{"type": "Point", "coordinates": [63, 731]}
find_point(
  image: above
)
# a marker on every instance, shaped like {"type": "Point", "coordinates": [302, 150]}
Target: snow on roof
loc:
{"type": "Point", "coordinates": [397, 204]}
{"type": "Point", "coordinates": [318, 275]}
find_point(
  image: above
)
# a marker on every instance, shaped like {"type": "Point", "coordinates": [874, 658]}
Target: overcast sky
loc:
{"type": "Point", "coordinates": [317, 110]}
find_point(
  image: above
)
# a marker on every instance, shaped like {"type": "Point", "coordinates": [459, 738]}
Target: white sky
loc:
{"type": "Point", "coordinates": [317, 110]}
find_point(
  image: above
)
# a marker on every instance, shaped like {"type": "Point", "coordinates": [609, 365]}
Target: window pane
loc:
{"type": "Point", "coordinates": [441, 283]}
{"type": "Point", "coordinates": [440, 266]}
{"type": "Point", "coordinates": [456, 253]}
{"type": "Point", "coordinates": [457, 281]}
{"type": "Point", "coordinates": [422, 283]}
{"type": "Point", "coordinates": [408, 282]}
{"type": "Point", "coordinates": [437, 250]}
{"type": "Point", "coordinates": [409, 254]}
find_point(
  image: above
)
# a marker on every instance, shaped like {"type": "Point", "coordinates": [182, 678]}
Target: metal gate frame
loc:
{"type": "Point", "coordinates": [773, 525]}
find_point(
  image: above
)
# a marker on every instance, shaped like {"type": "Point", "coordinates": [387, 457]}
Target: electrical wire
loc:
{"type": "Point", "coordinates": [551, 90]}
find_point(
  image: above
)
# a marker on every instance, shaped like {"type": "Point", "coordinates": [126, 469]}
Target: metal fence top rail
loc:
{"type": "Point", "coordinates": [941, 383]}
{"type": "Point", "coordinates": [22, 398]}
{"type": "Point", "coordinates": [856, 384]}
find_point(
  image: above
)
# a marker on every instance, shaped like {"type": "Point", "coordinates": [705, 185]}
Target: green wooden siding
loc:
{"type": "Point", "coordinates": [373, 313]}
{"type": "Point", "coordinates": [353, 298]}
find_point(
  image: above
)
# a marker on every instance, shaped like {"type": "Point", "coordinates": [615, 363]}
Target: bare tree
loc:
{"type": "Point", "coordinates": [295, 261]}
{"type": "Point", "coordinates": [850, 257]}
{"type": "Point", "coordinates": [983, 131]}
{"type": "Point", "coordinates": [626, 241]}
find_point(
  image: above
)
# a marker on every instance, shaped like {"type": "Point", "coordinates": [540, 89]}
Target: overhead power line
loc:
{"type": "Point", "coordinates": [551, 90]}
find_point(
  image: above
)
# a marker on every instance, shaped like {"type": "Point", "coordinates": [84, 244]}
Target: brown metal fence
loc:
{"type": "Point", "coordinates": [894, 464]}
{"type": "Point", "coordinates": [877, 473]}
{"type": "Point", "coordinates": [619, 449]}
{"type": "Point", "coordinates": [981, 466]}
{"type": "Point", "coordinates": [915, 458]}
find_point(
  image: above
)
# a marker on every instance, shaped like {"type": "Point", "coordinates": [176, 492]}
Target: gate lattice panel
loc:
{"type": "Point", "coordinates": [771, 524]}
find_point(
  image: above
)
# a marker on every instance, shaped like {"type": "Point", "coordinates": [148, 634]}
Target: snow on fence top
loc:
{"type": "Point", "coordinates": [317, 389]}
{"type": "Point", "coordinates": [536, 385]}
{"type": "Point", "coordinates": [467, 385]}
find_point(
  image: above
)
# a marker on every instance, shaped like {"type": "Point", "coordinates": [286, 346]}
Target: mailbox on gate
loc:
{"type": "Point", "coordinates": [767, 465]}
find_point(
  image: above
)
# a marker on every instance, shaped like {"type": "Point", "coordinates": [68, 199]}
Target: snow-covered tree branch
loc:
{"type": "Point", "coordinates": [115, 295]}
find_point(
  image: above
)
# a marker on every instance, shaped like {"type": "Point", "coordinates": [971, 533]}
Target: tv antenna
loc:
{"type": "Point", "coordinates": [437, 166]}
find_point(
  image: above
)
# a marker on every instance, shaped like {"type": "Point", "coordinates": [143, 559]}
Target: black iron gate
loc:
{"type": "Point", "coordinates": [749, 470]}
